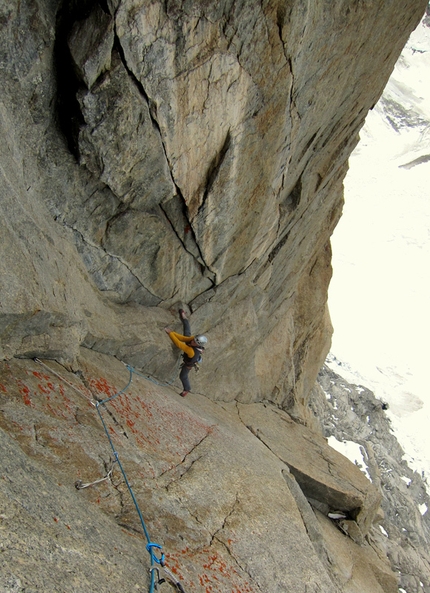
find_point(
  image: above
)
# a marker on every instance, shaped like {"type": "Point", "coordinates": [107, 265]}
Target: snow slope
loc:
{"type": "Point", "coordinates": [380, 293]}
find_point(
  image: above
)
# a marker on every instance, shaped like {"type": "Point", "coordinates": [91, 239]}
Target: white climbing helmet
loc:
{"type": "Point", "coordinates": [201, 340]}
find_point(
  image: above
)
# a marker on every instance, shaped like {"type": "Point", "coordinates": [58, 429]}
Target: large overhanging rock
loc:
{"type": "Point", "coordinates": [204, 150]}
{"type": "Point", "coordinates": [163, 154]}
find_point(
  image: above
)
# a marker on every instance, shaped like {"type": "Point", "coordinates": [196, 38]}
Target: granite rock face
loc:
{"type": "Point", "coordinates": [165, 153]}
{"type": "Point", "coordinates": [216, 483]}
{"type": "Point", "coordinates": [158, 154]}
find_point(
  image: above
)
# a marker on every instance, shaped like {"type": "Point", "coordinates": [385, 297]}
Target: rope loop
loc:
{"type": "Point", "coordinates": [149, 547]}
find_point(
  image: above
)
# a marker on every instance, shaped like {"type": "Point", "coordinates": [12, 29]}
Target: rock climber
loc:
{"type": "Point", "coordinates": [192, 347]}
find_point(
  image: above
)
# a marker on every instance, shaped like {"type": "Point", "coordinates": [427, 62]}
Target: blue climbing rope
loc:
{"type": "Point", "coordinates": [150, 546]}
{"type": "Point", "coordinates": [157, 563]}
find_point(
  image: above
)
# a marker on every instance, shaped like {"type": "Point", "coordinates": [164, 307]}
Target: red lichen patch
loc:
{"type": "Point", "coordinates": [55, 401]}
{"type": "Point", "coordinates": [102, 386]}
{"type": "Point", "coordinates": [25, 392]}
{"type": "Point", "coordinates": [42, 392]}
{"type": "Point", "coordinates": [41, 375]}
{"type": "Point", "coordinates": [217, 574]}
{"type": "Point", "coordinates": [44, 389]}
{"type": "Point", "coordinates": [156, 422]}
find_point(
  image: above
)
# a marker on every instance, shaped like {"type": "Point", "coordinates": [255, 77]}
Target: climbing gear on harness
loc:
{"type": "Point", "coordinates": [193, 363]}
{"type": "Point", "coordinates": [201, 340]}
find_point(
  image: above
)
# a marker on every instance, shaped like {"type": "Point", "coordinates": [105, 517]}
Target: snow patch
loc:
{"type": "Point", "coordinates": [352, 451]}
{"type": "Point", "coordinates": [423, 508]}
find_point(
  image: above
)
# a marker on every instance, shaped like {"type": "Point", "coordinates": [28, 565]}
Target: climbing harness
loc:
{"type": "Point", "coordinates": [157, 562]}
{"type": "Point", "coordinates": [190, 363]}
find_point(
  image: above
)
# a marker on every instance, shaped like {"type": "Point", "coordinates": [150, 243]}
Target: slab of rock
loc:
{"type": "Point", "coordinates": [322, 473]}
{"type": "Point", "coordinates": [50, 541]}
{"type": "Point", "coordinates": [211, 493]}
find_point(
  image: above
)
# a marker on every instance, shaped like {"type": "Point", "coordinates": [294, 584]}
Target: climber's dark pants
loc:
{"type": "Point", "coordinates": [184, 378]}
{"type": "Point", "coordinates": [186, 326]}
{"type": "Point", "coordinates": [185, 370]}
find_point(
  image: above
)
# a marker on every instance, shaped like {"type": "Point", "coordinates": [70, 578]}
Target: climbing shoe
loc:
{"type": "Point", "coordinates": [184, 393]}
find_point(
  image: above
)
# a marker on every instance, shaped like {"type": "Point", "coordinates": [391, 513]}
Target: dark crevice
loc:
{"type": "Point", "coordinates": [204, 268]}
{"type": "Point", "coordinates": [187, 469]}
{"type": "Point", "coordinates": [151, 104]}
{"type": "Point", "coordinates": [294, 197]}
{"type": "Point", "coordinates": [128, 527]}
{"type": "Point", "coordinates": [185, 464]}
{"type": "Point", "coordinates": [280, 20]}
{"type": "Point", "coordinates": [69, 116]}
{"type": "Point", "coordinates": [307, 146]}
{"type": "Point", "coordinates": [289, 205]}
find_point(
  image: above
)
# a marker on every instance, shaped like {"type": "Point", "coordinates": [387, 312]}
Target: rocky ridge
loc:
{"type": "Point", "coordinates": [352, 413]}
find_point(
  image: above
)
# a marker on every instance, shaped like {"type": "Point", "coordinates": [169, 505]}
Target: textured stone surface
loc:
{"type": "Point", "coordinates": [90, 44]}
{"type": "Point", "coordinates": [225, 508]}
{"type": "Point", "coordinates": [184, 153]}
{"type": "Point", "coordinates": [164, 154]}
{"type": "Point", "coordinates": [322, 474]}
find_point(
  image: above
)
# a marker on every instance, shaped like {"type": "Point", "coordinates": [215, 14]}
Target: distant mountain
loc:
{"type": "Point", "coordinates": [405, 103]}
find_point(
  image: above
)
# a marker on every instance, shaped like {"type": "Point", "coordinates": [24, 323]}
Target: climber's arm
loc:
{"type": "Point", "coordinates": [180, 342]}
